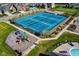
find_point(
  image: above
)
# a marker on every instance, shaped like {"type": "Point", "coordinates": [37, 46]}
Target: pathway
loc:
{"type": "Point", "coordinates": [39, 39]}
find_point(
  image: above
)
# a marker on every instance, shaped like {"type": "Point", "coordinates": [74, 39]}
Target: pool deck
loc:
{"type": "Point", "coordinates": [66, 47]}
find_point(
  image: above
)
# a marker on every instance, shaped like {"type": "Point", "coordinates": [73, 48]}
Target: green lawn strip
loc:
{"type": "Point", "coordinates": [34, 52]}
{"type": "Point", "coordinates": [67, 11]}
{"type": "Point", "coordinates": [52, 44]}
{"type": "Point", "coordinates": [5, 50]}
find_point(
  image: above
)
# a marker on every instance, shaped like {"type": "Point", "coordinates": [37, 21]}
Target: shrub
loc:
{"type": "Point", "coordinates": [53, 35]}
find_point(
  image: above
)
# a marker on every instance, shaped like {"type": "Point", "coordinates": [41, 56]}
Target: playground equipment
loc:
{"type": "Point", "coordinates": [23, 36]}
{"type": "Point", "coordinates": [17, 32]}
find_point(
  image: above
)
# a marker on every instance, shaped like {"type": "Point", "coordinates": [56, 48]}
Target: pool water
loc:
{"type": "Point", "coordinates": [41, 22]}
{"type": "Point", "coordinates": [74, 52]}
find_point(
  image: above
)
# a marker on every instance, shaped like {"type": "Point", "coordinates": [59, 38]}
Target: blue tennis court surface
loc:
{"type": "Point", "coordinates": [41, 22]}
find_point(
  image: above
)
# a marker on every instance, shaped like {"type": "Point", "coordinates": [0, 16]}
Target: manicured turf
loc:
{"type": "Point", "coordinates": [67, 11]}
{"type": "Point", "coordinates": [5, 29]}
{"type": "Point", "coordinates": [48, 46]}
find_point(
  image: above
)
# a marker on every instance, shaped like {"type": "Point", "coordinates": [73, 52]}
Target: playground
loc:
{"type": "Point", "coordinates": [14, 42]}
{"type": "Point", "coordinates": [20, 41]}
{"type": "Point", "coordinates": [5, 50]}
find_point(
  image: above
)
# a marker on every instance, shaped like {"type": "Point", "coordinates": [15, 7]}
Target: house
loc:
{"type": "Point", "coordinates": [12, 7]}
{"type": "Point", "coordinates": [4, 7]}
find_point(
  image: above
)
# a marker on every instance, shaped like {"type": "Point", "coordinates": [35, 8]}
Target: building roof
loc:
{"type": "Point", "coordinates": [6, 6]}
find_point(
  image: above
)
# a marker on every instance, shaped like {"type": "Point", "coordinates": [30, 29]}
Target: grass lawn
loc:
{"type": "Point", "coordinates": [5, 50]}
{"type": "Point", "coordinates": [48, 46]}
{"type": "Point", "coordinates": [67, 11]}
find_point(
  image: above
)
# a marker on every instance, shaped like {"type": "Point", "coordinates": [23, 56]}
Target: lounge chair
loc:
{"type": "Point", "coordinates": [62, 51]}
{"type": "Point", "coordinates": [70, 43]}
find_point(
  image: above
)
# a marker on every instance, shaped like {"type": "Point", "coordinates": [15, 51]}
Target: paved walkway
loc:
{"type": "Point", "coordinates": [22, 29]}
{"type": "Point", "coordinates": [39, 39]}
{"type": "Point", "coordinates": [6, 18]}
{"type": "Point", "coordinates": [27, 51]}
{"type": "Point", "coordinates": [72, 32]}
{"type": "Point", "coordinates": [64, 30]}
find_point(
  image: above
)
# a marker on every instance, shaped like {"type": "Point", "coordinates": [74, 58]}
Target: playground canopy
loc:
{"type": "Point", "coordinates": [23, 34]}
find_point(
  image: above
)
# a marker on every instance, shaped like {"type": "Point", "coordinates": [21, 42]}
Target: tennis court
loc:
{"type": "Point", "coordinates": [41, 22]}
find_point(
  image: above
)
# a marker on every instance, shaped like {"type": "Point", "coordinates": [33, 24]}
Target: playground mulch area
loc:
{"type": "Point", "coordinates": [5, 29]}
{"type": "Point", "coordinates": [23, 45]}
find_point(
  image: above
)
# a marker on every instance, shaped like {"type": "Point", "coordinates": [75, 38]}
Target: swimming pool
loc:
{"type": "Point", "coordinates": [74, 52]}
{"type": "Point", "coordinates": [41, 22]}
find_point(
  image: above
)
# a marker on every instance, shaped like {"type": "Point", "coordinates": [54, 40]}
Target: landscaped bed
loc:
{"type": "Point", "coordinates": [5, 29]}
{"type": "Point", "coordinates": [47, 46]}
